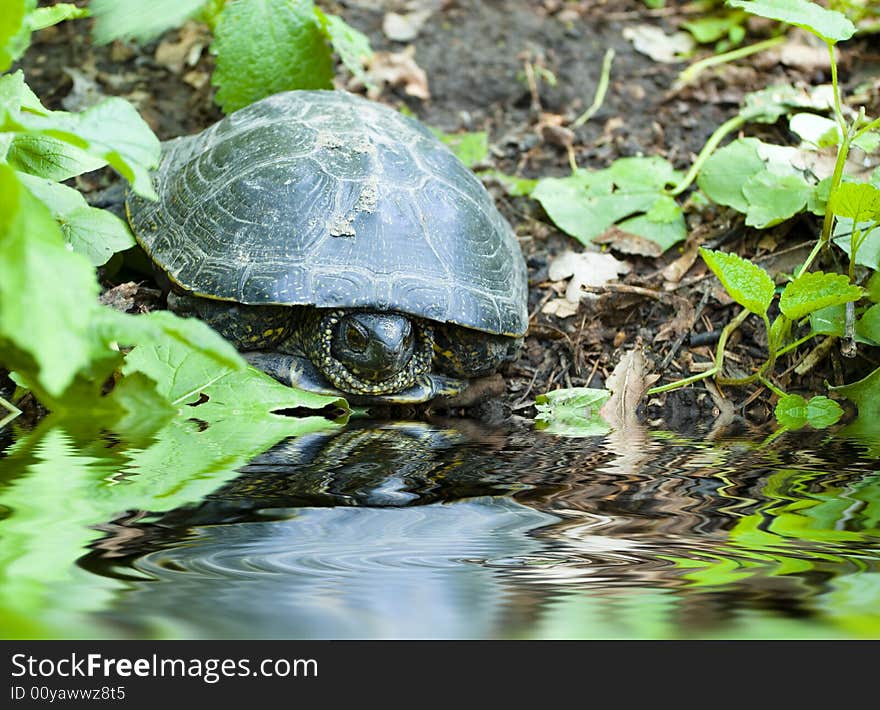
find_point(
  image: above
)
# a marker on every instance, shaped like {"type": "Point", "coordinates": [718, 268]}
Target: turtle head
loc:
{"type": "Point", "coordinates": [370, 352]}
{"type": "Point", "coordinates": [373, 346]}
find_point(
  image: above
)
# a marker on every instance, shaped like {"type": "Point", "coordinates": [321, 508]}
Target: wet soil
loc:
{"type": "Point", "coordinates": [478, 57]}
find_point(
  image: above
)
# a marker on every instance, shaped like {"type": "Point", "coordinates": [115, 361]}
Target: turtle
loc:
{"type": "Point", "coordinates": [338, 244]}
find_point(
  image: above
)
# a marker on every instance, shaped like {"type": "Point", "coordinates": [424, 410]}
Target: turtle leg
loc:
{"type": "Point", "coordinates": [463, 352]}
{"type": "Point", "coordinates": [291, 370]}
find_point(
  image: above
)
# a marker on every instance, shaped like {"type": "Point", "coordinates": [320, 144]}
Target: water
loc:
{"type": "Point", "coordinates": [449, 530]}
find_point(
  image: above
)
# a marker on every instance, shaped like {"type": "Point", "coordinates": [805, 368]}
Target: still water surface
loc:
{"type": "Point", "coordinates": [449, 530]}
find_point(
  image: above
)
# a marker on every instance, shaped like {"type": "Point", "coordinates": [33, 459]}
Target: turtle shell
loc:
{"type": "Point", "coordinates": [324, 198]}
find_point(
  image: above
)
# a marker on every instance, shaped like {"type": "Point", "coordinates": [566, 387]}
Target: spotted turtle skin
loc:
{"type": "Point", "coordinates": [320, 201]}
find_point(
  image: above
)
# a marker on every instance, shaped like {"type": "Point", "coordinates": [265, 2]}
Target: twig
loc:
{"type": "Point", "coordinates": [11, 408]}
{"type": "Point", "coordinates": [601, 90]}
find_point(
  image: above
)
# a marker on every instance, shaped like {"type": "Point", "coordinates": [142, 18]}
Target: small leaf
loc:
{"type": "Point", "coordinates": [830, 25]}
{"type": "Point", "coordinates": [774, 198]}
{"type": "Point", "coordinates": [572, 412]}
{"type": "Point", "coordinates": [470, 148]}
{"type": "Point", "coordinates": [814, 290]}
{"type": "Point", "coordinates": [267, 46]}
{"type": "Point", "coordinates": [747, 284]}
{"type": "Point", "coordinates": [793, 412]}
{"type": "Point", "coordinates": [866, 394]}
{"type": "Point", "coordinates": [352, 46]}
{"type": "Point", "coordinates": [859, 201]}
{"type": "Point", "coordinates": [725, 172]}
{"type": "Point", "coordinates": [514, 186]}
{"type": "Point", "coordinates": [95, 233]}
{"type": "Point", "coordinates": [139, 20]}
{"type": "Point", "coordinates": [868, 326]}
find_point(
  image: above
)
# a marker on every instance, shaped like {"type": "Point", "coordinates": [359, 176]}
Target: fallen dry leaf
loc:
{"type": "Point", "coordinates": [628, 243]}
{"type": "Point", "coordinates": [560, 307]}
{"type": "Point", "coordinates": [653, 42]}
{"type": "Point", "coordinates": [397, 69]}
{"type": "Point", "coordinates": [404, 28]}
{"type": "Point", "coordinates": [589, 268]}
{"type": "Point", "coordinates": [628, 383]}
{"type": "Point", "coordinates": [185, 49]}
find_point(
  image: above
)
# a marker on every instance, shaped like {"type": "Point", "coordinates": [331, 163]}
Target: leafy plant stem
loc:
{"type": "Point", "coordinates": [715, 139]}
{"type": "Point", "coordinates": [770, 386]}
{"type": "Point", "coordinates": [719, 357]}
{"type": "Point", "coordinates": [695, 69]}
{"type": "Point", "coordinates": [838, 110]}
{"type": "Point", "coordinates": [601, 89]}
{"type": "Point", "coordinates": [796, 344]}
{"type": "Point", "coordinates": [868, 127]}
{"type": "Point", "coordinates": [828, 219]}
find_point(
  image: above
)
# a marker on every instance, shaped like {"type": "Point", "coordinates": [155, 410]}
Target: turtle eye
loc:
{"type": "Point", "coordinates": [356, 338]}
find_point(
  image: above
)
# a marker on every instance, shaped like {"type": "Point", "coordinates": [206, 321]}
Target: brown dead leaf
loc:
{"type": "Point", "coordinates": [628, 383]}
{"type": "Point", "coordinates": [674, 272]}
{"type": "Point", "coordinates": [655, 43]}
{"type": "Point", "coordinates": [628, 243]}
{"type": "Point", "coordinates": [560, 307]}
{"type": "Point", "coordinates": [397, 69]}
{"type": "Point", "coordinates": [588, 268]}
{"type": "Point", "coordinates": [184, 49]}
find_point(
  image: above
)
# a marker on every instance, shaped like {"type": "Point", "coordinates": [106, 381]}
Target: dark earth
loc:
{"type": "Point", "coordinates": [487, 66]}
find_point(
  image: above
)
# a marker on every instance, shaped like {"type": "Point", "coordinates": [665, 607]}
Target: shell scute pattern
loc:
{"type": "Point", "coordinates": [324, 198]}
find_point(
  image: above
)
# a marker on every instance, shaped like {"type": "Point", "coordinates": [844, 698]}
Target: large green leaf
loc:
{"type": "Point", "coordinates": [267, 46]}
{"type": "Point", "coordinates": [774, 198]}
{"type": "Point", "coordinates": [793, 412]}
{"type": "Point", "coordinates": [726, 171]}
{"type": "Point", "coordinates": [572, 412]}
{"type": "Point", "coordinates": [748, 284]}
{"type": "Point", "coordinates": [830, 25]}
{"type": "Point", "coordinates": [139, 20]}
{"type": "Point", "coordinates": [112, 131]}
{"type": "Point", "coordinates": [47, 293]}
{"type": "Point", "coordinates": [587, 203]}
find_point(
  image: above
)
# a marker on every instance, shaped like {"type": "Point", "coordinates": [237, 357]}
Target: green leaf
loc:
{"type": "Point", "coordinates": [774, 198]}
{"type": "Point", "coordinates": [572, 412]}
{"type": "Point", "coordinates": [725, 172]}
{"type": "Point", "coordinates": [868, 252]}
{"type": "Point", "coordinates": [112, 131]}
{"type": "Point", "coordinates": [868, 326]}
{"type": "Point", "coordinates": [469, 148]}
{"type": "Point", "coordinates": [662, 224]}
{"type": "Point", "coordinates": [95, 233]}
{"type": "Point", "coordinates": [267, 46]}
{"type": "Point", "coordinates": [793, 412]}
{"type": "Point", "coordinates": [748, 284]}
{"type": "Point", "coordinates": [814, 290]}
{"type": "Point", "coordinates": [139, 20]}
{"type": "Point", "coordinates": [710, 29]}
{"type": "Point", "coordinates": [587, 203]}
{"type": "Point", "coordinates": [514, 186]}
{"type": "Point", "coordinates": [866, 394]}
{"type": "Point", "coordinates": [352, 46]}
{"type": "Point", "coordinates": [14, 30]}
{"type": "Point", "coordinates": [43, 17]}
{"type": "Point", "coordinates": [47, 293]}
{"type": "Point", "coordinates": [830, 25]}
{"type": "Point", "coordinates": [817, 130]}
{"type": "Point", "coordinates": [50, 158]}
{"type": "Point", "coordinates": [859, 201]}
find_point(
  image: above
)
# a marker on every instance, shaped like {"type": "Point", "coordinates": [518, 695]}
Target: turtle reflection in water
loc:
{"type": "Point", "coordinates": [341, 244]}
